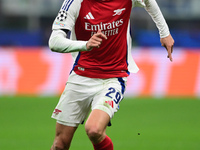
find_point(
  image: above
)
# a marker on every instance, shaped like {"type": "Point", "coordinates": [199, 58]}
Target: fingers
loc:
{"type": "Point", "coordinates": [169, 51]}
{"type": "Point", "coordinates": [168, 43]}
{"type": "Point", "coordinates": [100, 34]}
{"type": "Point", "coordinates": [96, 40]}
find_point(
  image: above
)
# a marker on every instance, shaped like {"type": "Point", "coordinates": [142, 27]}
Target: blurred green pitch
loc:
{"type": "Point", "coordinates": [140, 124]}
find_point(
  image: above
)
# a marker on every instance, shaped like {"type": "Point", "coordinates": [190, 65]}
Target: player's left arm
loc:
{"type": "Point", "coordinates": [168, 43]}
{"type": "Point", "coordinates": [166, 39]}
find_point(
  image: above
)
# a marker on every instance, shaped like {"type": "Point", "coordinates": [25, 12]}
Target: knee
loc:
{"type": "Point", "coordinates": [60, 144]}
{"type": "Point", "coordinates": [94, 132]}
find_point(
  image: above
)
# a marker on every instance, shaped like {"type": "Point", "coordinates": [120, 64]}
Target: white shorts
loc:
{"type": "Point", "coordinates": [81, 94]}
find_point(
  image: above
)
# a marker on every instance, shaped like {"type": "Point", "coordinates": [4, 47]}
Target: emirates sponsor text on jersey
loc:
{"type": "Point", "coordinates": [109, 29]}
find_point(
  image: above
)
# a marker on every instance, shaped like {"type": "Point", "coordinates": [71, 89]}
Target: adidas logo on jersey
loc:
{"type": "Point", "coordinates": [89, 16]}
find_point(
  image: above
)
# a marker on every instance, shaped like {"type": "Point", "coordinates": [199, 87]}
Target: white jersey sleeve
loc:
{"type": "Point", "coordinates": [67, 15]}
{"type": "Point", "coordinates": [59, 43]}
{"type": "Point", "coordinates": [138, 3]}
{"type": "Point", "coordinates": [66, 19]}
{"type": "Point", "coordinates": [154, 11]}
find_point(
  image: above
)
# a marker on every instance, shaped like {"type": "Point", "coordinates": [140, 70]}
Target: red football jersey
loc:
{"type": "Point", "coordinates": [84, 18]}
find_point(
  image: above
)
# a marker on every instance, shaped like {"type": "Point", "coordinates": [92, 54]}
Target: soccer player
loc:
{"type": "Point", "coordinates": [100, 45]}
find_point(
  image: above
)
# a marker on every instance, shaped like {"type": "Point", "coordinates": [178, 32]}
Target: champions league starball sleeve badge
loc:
{"type": "Point", "coordinates": [62, 15]}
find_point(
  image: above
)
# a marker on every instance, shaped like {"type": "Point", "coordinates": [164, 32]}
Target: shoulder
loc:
{"type": "Point", "coordinates": [139, 3]}
{"type": "Point", "coordinates": [67, 15]}
{"type": "Point", "coordinates": [71, 4]}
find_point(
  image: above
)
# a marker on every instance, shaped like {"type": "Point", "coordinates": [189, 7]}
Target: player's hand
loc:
{"type": "Point", "coordinates": [168, 43]}
{"type": "Point", "coordinates": [95, 40]}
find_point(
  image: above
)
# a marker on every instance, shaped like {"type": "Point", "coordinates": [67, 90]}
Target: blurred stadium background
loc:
{"type": "Point", "coordinates": [161, 101]}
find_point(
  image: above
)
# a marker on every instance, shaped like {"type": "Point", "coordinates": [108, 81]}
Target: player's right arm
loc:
{"type": "Point", "coordinates": [63, 23]}
{"type": "Point", "coordinates": [58, 42]}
